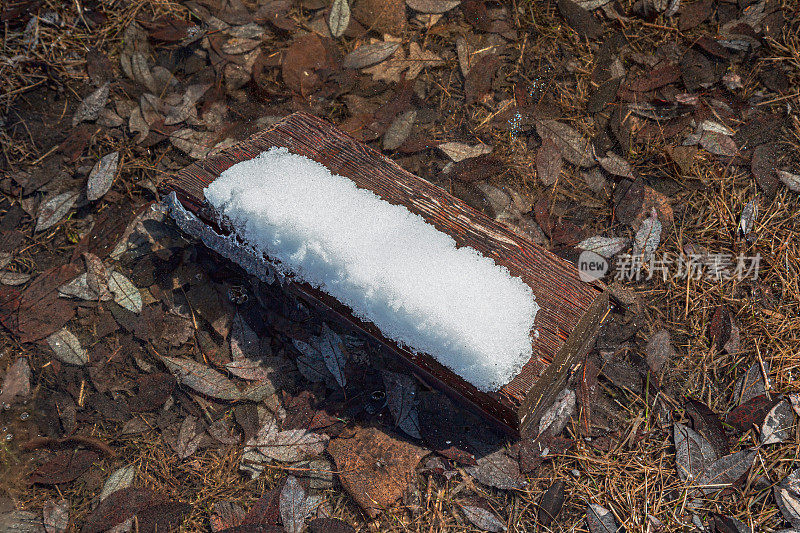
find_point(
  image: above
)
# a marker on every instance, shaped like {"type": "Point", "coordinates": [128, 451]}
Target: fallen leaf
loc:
{"type": "Point", "coordinates": [432, 6]}
{"type": "Point", "coordinates": [748, 218]}
{"type": "Point", "coordinates": [390, 69]}
{"type": "Point", "coordinates": [42, 294]}
{"type": "Point", "coordinates": [555, 418]}
{"type": "Point", "coordinates": [290, 445]}
{"type": "Point", "coordinates": [693, 453]}
{"type": "Point", "coordinates": [296, 505]}
{"type": "Point", "coordinates": [78, 288]}
{"type": "Point", "coordinates": [266, 510]}
{"type": "Point", "coordinates": [479, 79]}
{"type": "Point", "coordinates": [383, 16]}
{"type": "Point", "coordinates": [763, 167]}
{"type": "Point", "coordinates": [311, 363]}
{"type": "Point", "coordinates": [648, 237]}
{"type": "Point", "coordinates": [615, 165]}
{"type": "Point", "coordinates": [21, 522]}
{"type": "Point", "coordinates": [792, 181]}
{"type": "Point", "coordinates": [751, 384]}
{"type": "Point", "coordinates": [574, 147]}
{"type": "Point", "coordinates": [777, 424]}
{"type": "Point", "coordinates": [728, 524]}
{"type": "Point", "coordinates": [458, 151]}
{"type": "Point", "coordinates": [725, 471]}
{"type": "Point", "coordinates": [339, 18]}
{"type": "Point", "coordinates": [498, 470]}
{"type": "Point", "coordinates": [188, 437]}
{"type": "Point", "coordinates": [787, 496]}
{"type": "Point", "coordinates": [195, 144]}
{"type": "Point", "coordinates": [551, 503]}
{"type": "Point", "coordinates": [476, 168]}
{"type": "Point", "coordinates": [374, 468]}
{"type": "Point", "coordinates": [708, 424]}
{"type": "Point", "coordinates": [53, 210]}
{"type": "Point", "coordinates": [399, 130]}
{"type": "Point", "coordinates": [655, 79]}
{"type": "Point", "coordinates": [90, 107]}
{"type": "Point", "coordinates": [244, 342]}
{"type": "Point", "coordinates": [332, 349]}
{"type": "Point", "coordinates": [580, 19]}
{"type": "Point", "coordinates": [606, 247]}
{"type": "Point", "coordinates": [226, 515]}
{"type": "Point", "coordinates": [601, 520]}
{"type": "Point", "coordinates": [401, 397]}
{"type": "Point", "coordinates": [64, 467]}
{"type": "Point", "coordinates": [102, 176]}
{"type": "Point", "coordinates": [330, 525]}
{"type": "Point", "coordinates": [718, 143]}
{"type": "Point", "coordinates": [478, 512]}
{"type": "Point", "coordinates": [121, 478]}
{"type": "Point", "coordinates": [418, 59]}
{"type": "Point", "coordinates": [370, 54]}
{"type": "Point", "coordinates": [13, 278]}
{"type": "Point", "coordinates": [55, 516]}
{"type": "Point", "coordinates": [202, 378]}
{"type": "Point", "coordinates": [659, 350]}
{"type": "Point", "coordinates": [118, 507]}
{"type": "Point", "coordinates": [683, 156]}
{"type": "Point", "coordinates": [721, 326]}
{"type": "Point", "coordinates": [125, 294]}
{"type": "Point", "coordinates": [96, 276]}
{"type": "Point", "coordinates": [162, 517]}
{"type": "Point", "coordinates": [548, 162]}
{"type": "Point", "coordinates": [68, 348]}
{"type": "Point", "coordinates": [694, 14]}
{"type": "Point", "coordinates": [17, 382]}
{"type": "Point", "coordinates": [751, 413]}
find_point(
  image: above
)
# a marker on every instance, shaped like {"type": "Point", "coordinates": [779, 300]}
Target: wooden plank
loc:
{"type": "Point", "coordinates": [570, 310]}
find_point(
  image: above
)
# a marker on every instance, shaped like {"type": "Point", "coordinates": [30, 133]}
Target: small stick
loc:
{"type": "Point", "coordinates": [763, 373]}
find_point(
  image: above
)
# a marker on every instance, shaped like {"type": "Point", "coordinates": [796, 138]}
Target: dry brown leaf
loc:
{"type": "Point", "coordinates": [548, 162]}
{"type": "Point", "coordinates": [432, 6]}
{"type": "Point", "coordinates": [102, 176]}
{"type": "Point", "coordinates": [374, 468]}
{"type": "Point", "coordinates": [574, 147]}
{"type": "Point", "coordinates": [370, 54]}
{"type": "Point", "coordinates": [89, 109]}
{"type": "Point", "coordinates": [418, 59]}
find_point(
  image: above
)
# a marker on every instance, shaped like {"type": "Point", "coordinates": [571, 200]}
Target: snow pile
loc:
{"type": "Point", "coordinates": [385, 263]}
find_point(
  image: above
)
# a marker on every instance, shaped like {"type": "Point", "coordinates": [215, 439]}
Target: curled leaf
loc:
{"type": "Point", "coordinates": [339, 18]}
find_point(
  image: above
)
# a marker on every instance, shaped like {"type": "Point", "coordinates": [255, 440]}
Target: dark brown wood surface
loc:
{"type": "Point", "coordinates": [563, 299]}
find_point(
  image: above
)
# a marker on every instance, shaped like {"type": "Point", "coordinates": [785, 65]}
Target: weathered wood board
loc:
{"type": "Point", "coordinates": [571, 310]}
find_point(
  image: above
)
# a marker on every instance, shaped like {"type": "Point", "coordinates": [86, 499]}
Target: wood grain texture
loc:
{"type": "Point", "coordinates": [564, 299]}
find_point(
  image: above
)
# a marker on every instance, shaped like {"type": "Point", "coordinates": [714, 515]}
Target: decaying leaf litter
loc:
{"type": "Point", "coordinates": [615, 127]}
